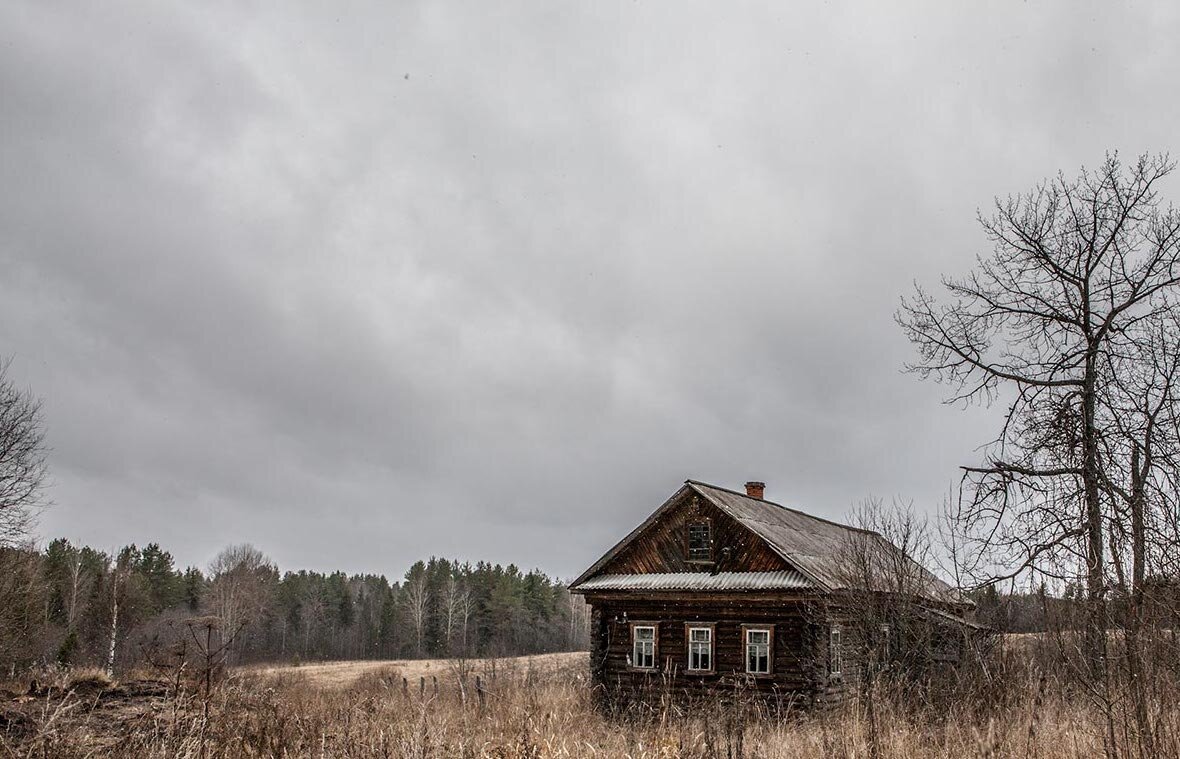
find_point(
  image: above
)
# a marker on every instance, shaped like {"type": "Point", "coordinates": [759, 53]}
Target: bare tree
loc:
{"type": "Point", "coordinates": [22, 603]}
{"type": "Point", "coordinates": [239, 590]}
{"type": "Point", "coordinates": [1076, 265]}
{"type": "Point", "coordinates": [128, 597]}
{"type": "Point", "coordinates": [883, 568]}
{"type": "Point", "coordinates": [22, 459]}
{"type": "Point", "coordinates": [79, 581]}
{"type": "Point", "coordinates": [456, 603]}
{"type": "Point", "coordinates": [118, 573]}
{"type": "Point", "coordinates": [22, 476]}
{"type": "Point", "coordinates": [466, 609]}
{"type": "Point", "coordinates": [579, 622]}
{"type": "Point", "coordinates": [1143, 459]}
{"type": "Point", "coordinates": [417, 596]}
{"type": "Point", "coordinates": [312, 611]}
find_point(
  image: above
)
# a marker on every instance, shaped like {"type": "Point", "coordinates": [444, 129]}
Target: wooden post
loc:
{"type": "Point", "coordinates": [435, 679]}
{"type": "Point", "coordinates": [405, 688]}
{"type": "Point", "coordinates": [479, 692]}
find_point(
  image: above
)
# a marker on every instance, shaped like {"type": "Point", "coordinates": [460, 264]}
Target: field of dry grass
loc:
{"type": "Point", "coordinates": [339, 674]}
{"type": "Point", "coordinates": [537, 707]}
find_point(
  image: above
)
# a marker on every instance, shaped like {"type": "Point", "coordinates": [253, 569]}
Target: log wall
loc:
{"type": "Point", "coordinates": [799, 645]}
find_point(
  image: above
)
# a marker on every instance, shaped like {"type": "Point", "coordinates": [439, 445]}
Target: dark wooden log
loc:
{"type": "Point", "coordinates": [798, 662]}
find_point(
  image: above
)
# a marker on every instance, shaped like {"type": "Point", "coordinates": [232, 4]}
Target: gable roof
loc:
{"type": "Point", "coordinates": [810, 544]}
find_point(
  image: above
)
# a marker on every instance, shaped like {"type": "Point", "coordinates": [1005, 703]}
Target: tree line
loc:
{"type": "Point", "coordinates": [75, 605]}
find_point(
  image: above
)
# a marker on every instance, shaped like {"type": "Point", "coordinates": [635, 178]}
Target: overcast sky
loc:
{"type": "Point", "coordinates": [491, 279]}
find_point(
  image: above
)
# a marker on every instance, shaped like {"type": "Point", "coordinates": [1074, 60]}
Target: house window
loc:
{"type": "Point", "coordinates": [758, 650]}
{"type": "Point", "coordinates": [700, 649]}
{"type": "Point", "coordinates": [643, 646]}
{"type": "Point", "coordinates": [835, 653]}
{"type": "Point", "coordinates": [700, 542]}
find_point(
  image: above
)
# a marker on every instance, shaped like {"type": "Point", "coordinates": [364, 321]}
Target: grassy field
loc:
{"type": "Point", "coordinates": [341, 674]}
{"type": "Point", "coordinates": [536, 707]}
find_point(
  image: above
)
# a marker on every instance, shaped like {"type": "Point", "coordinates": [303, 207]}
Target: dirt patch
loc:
{"type": "Point", "coordinates": [100, 711]}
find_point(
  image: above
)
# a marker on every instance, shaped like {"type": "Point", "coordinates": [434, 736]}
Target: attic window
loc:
{"type": "Point", "coordinates": [700, 542]}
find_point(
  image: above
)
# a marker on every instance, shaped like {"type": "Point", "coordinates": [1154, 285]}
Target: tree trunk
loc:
{"type": "Point", "coordinates": [114, 624]}
{"type": "Point", "coordinates": [1134, 638]}
{"type": "Point", "coordinates": [1095, 632]}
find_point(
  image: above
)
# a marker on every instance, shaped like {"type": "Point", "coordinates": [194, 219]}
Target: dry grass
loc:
{"type": "Point", "coordinates": [542, 708]}
{"type": "Point", "coordinates": [339, 674]}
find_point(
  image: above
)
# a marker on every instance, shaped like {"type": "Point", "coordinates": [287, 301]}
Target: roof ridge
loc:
{"type": "Point", "coordinates": [784, 508]}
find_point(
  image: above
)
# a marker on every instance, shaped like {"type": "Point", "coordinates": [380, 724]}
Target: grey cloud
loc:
{"type": "Point", "coordinates": [365, 283]}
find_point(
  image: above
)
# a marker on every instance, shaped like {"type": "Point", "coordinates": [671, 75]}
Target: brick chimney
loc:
{"type": "Point", "coordinates": [755, 489]}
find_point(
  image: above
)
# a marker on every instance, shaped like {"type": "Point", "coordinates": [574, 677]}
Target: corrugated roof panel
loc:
{"type": "Point", "coordinates": [787, 579]}
{"type": "Point", "coordinates": [816, 546]}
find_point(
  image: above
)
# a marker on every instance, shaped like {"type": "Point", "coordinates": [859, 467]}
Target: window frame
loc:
{"type": "Point", "coordinates": [886, 652]}
{"type": "Point", "coordinates": [769, 630]}
{"type": "Point", "coordinates": [688, 642]}
{"type": "Point", "coordinates": [655, 646]}
{"type": "Point", "coordinates": [835, 652]}
{"type": "Point", "coordinates": [688, 555]}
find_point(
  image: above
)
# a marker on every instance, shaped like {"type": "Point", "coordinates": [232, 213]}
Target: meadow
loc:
{"type": "Point", "coordinates": [542, 707]}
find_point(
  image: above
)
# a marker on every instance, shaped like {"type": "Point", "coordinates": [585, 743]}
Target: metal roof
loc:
{"type": "Point", "coordinates": [815, 547]}
{"type": "Point", "coordinates": [938, 614]}
{"type": "Point", "coordinates": [784, 579]}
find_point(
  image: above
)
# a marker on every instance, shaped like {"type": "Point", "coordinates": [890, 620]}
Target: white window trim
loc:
{"type": "Point", "coordinates": [769, 648]}
{"type": "Point", "coordinates": [689, 643]}
{"type": "Point", "coordinates": [654, 642]}
{"type": "Point", "coordinates": [835, 652]}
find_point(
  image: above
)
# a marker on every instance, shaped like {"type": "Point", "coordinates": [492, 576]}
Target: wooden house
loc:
{"type": "Point", "coordinates": [719, 589]}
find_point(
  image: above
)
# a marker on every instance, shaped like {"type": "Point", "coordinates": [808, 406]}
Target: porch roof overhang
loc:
{"type": "Point", "coordinates": [787, 579]}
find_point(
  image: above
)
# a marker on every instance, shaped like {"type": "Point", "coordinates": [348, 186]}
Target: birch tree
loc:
{"type": "Point", "coordinates": [113, 638]}
{"type": "Point", "coordinates": [455, 595]}
{"type": "Point", "coordinates": [417, 595]}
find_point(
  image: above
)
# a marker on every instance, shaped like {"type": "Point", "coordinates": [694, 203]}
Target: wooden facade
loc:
{"type": "Point", "coordinates": [661, 599]}
{"type": "Point", "coordinates": [665, 548]}
{"type": "Point", "coordinates": [792, 642]}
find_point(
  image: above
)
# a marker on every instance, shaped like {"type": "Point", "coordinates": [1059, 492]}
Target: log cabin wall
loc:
{"type": "Point", "coordinates": [663, 547]}
{"type": "Point", "coordinates": [832, 689]}
{"type": "Point", "coordinates": [799, 648]}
